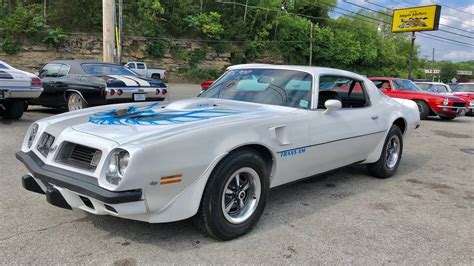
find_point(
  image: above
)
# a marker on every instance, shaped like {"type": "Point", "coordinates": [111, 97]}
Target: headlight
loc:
{"type": "Point", "coordinates": [471, 103]}
{"type": "Point", "coordinates": [31, 138]}
{"type": "Point", "coordinates": [118, 164]}
{"type": "Point", "coordinates": [446, 102]}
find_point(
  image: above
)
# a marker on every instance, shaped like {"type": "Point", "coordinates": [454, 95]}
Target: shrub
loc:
{"type": "Point", "coordinates": [10, 46]}
{"type": "Point", "coordinates": [55, 38]}
{"type": "Point", "coordinates": [198, 74]}
{"type": "Point", "coordinates": [157, 48]}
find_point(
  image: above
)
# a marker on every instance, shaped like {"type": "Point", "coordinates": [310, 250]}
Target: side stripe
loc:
{"type": "Point", "coordinates": [140, 81]}
{"type": "Point", "coordinates": [322, 143]}
{"type": "Point", "coordinates": [128, 82]}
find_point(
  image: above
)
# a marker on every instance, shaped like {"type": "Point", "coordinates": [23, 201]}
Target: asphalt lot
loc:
{"type": "Point", "coordinates": [423, 215]}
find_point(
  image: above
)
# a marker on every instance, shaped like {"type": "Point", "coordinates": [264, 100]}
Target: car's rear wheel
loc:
{"type": "Point", "coordinates": [235, 195]}
{"type": "Point", "coordinates": [391, 155]}
{"type": "Point", "coordinates": [424, 109]}
{"type": "Point", "coordinates": [75, 102]}
{"type": "Point", "coordinates": [447, 117]}
{"type": "Point", "coordinates": [14, 110]}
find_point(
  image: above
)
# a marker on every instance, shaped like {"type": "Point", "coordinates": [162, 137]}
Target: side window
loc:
{"type": "Point", "coordinates": [382, 84]}
{"type": "Point", "coordinates": [50, 71]}
{"type": "Point", "coordinates": [350, 92]}
{"type": "Point", "coordinates": [131, 65]}
{"type": "Point", "coordinates": [2, 66]}
{"type": "Point", "coordinates": [64, 70]}
{"type": "Point", "coordinates": [140, 66]}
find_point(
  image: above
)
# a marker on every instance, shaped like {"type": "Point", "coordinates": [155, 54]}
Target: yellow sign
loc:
{"type": "Point", "coordinates": [416, 18]}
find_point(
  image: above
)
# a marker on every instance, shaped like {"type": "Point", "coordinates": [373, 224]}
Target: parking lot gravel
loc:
{"type": "Point", "coordinates": [422, 215]}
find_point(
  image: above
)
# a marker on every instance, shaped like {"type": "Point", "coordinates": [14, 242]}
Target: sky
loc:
{"type": "Point", "coordinates": [457, 16]}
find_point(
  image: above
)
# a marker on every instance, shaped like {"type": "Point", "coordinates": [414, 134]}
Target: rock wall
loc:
{"type": "Point", "coordinates": [87, 46]}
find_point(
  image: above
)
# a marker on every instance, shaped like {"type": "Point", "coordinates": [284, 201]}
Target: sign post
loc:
{"type": "Point", "coordinates": [423, 18]}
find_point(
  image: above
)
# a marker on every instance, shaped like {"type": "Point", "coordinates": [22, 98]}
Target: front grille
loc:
{"type": "Point", "coordinates": [459, 104]}
{"type": "Point", "coordinates": [79, 156]}
{"type": "Point", "coordinates": [45, 143]}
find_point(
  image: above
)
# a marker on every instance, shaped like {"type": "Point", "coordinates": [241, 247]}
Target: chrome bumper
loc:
{"type": "Point", "coordinates": [20, 93]}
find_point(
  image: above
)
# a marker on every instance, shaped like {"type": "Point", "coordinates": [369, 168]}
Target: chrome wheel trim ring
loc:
{"type": "Point", "coordinates": [392, 152]}
{"type": "Point", "coordinates": [74, 102]}
{"type": "Point", "coordinates": [241, 195]}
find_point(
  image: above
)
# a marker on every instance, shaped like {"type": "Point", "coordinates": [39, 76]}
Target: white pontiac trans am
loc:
{"type": "Point", "coordinates": [216, 156]}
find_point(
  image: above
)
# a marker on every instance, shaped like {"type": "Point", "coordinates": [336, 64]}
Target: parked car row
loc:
{"type": "Point", "coordinates": [77, 84]}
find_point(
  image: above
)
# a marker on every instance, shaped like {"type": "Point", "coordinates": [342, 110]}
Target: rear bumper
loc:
{"type": "Point", "coordinates": [127, 93]}
{"type": "Point", "coordinates": [26, 93]}
{"type": "Point", "coordinates": [47, 176]}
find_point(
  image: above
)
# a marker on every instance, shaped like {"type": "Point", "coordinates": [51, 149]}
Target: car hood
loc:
{"type": "Point", "coordinates": [125, 123]}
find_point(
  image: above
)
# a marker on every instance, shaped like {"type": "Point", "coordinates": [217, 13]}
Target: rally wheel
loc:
{"type": "Point", "coordinates": [235, 195]}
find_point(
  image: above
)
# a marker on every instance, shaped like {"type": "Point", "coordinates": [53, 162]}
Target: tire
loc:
{"type": "Point", "coordinates": [447, 117]}
{"type": "Point", "coordinates": [75, 102]}
{"type": "Point", "coordinates": [391, 155]}
{"type": "Point", "coordinates": [424, 109]}
{"type": "Point", "coordinates": [221, 214]}
{"type": "Point", "coordinates": [14, 110]}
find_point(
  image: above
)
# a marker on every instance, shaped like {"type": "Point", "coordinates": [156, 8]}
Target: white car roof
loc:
{"type": "Point", "coordinates": [316, 71]}
{"type": "Point", "coordinates": [429, 82]}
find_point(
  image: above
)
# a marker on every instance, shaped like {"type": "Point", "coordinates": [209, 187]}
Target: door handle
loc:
{"type": "Point", "coordinates": [374, 117]}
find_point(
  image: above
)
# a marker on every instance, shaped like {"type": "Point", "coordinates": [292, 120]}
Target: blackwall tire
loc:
{"type": "Point", "coordinates": [424, 109]}
{"type": "Point", "coordinates": [230, 208]}
{"type": "Point", "coordinates": [391, 155]}
{"type": "Point", "coordinates": [15, 110]}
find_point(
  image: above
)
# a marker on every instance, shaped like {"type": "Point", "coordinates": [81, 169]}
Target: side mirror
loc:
{"type": "Point", "coordinates": [332, 105]}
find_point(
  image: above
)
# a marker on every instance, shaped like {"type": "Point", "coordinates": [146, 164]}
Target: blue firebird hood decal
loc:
{"type": "Point", "coordinates": [145, 115]}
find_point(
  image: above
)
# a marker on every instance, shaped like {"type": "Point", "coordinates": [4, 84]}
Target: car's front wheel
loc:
{"type": "Point", "coordinates": [235, 195]}
{"type": "Point", "coordinates": [75, 102]}
{"type": "Point", "coordinates": [391, 155]}
{"type": "Point", "coordinates": [424, 109]}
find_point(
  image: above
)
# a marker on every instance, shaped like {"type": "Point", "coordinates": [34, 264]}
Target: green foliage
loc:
{"type": "Point", "coordinates": [178, 52]}
{"type": "Point", "coordinates": [10, 47]}
{"type": "Point", "coordinates": [198, 74]}
{"type": "Point", "coordinates": [448, 71]}
{"type": "Point", "coordinates": [208, 24]}
{"type": "Point", "coordinates": [157, 48]}
{"type": "Point", "coordinates": [196, 56]}
{"type": "Point", "coordinates": [55, 38]}
{"type": "Point", "coordinates": [23, 22]}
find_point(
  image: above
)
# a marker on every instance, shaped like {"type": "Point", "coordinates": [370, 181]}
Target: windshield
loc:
{"type": "Point", "coordinates": [105, 69]}
{"type": "Point", "coordinates": [423, 86]}
{"type": "Point", "coordinates": [464, 88]}
{"type": "Point", "coordinates": [268, 86]}
{"type": "Point", "coordinates": [405, 84]}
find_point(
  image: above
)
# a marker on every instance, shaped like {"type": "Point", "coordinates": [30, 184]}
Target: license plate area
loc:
{"type": "Point", "coordinates": [139, 97]}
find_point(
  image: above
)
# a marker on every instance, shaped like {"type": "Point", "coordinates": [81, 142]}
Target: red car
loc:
{"type": "Point", "coordinates": [466, 92]}
{"type": "Point", "coordinates": [429, 104]}
{"type": "Point", "coordinates": [205, 84]}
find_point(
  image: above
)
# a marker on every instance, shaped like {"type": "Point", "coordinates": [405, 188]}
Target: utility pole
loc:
{"type": "Point", "coordinates": [410, 62]}
{"type": "Point", "coordinates": [245, 12]}
{"type": "Point", "coordinates": [108, 42]}
{"type": "Point", "coordinates": [120, 46]}
{"type": "Point", "coordinates": [311, 45]}
{"type": "Point", "coordinates": [433, 64]}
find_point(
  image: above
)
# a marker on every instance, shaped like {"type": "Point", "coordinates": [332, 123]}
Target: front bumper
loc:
{"type": "Point", "coordinates": [26, 93]}
{"type": "Point", "coordinates": [53, 177]}
{"type": "Point", "coordinates": [452, 110]}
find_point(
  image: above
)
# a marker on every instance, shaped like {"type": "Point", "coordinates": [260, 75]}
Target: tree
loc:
{"type": "Point", "coordinates": [447, 71]}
